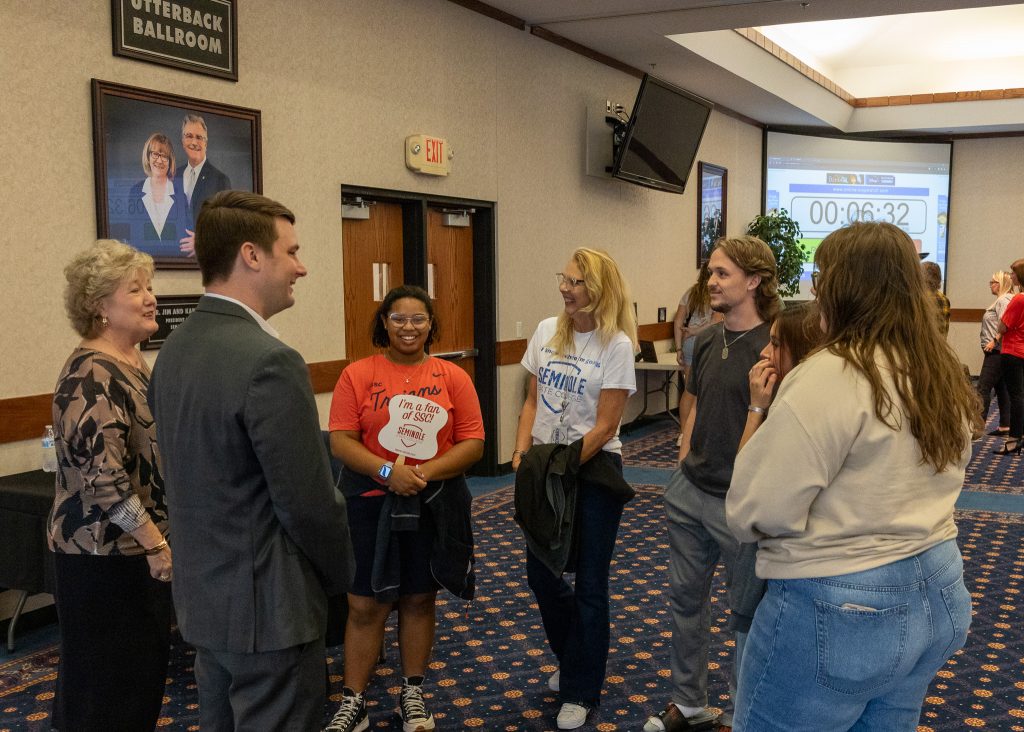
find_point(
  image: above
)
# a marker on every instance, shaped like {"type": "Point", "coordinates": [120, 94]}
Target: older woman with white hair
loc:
{"type": "Point", "coordinates": [108, 525]}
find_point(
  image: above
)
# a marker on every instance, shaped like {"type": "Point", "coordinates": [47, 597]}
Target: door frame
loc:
{"type": "Point", "coordinates": [485, 327]}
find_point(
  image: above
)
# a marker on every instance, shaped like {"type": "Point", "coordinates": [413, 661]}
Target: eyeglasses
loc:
{"type": "Point", "coordinates": [158, 154]}
{"type": "Point", "coordinates": [572, 282]}
{"type": "Point", "coordinates": [418, 321]}
{"type": "Point", "coordinates": [189, 137]}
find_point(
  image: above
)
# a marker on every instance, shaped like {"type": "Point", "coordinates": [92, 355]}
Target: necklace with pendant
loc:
{"type": "Point", "coordinates": [413, 367]}
{"type": "Point", "coordinates": [726, 344]}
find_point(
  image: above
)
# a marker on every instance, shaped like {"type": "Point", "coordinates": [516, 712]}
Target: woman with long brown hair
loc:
{"type": "Point", "coordinates": [693, 315]}
{"type": "Point", "coordinates": [849, 491]}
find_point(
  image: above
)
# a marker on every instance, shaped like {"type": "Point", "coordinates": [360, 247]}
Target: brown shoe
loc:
{"type": "Point", "coordinates": [672, 720]}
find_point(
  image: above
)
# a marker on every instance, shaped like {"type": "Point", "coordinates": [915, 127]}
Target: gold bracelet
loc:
{"type": "Point", "coordinates": [155, 549]}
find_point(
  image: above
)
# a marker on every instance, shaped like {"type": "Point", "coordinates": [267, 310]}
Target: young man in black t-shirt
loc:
{"type": "Point", "coordinates": [743, 288]}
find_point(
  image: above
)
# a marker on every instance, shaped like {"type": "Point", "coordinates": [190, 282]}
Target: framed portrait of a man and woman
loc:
{"type": "Point", "coordinates": [158, 157]}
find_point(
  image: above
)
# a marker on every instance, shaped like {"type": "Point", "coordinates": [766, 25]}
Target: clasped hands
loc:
{"type": "Point", "coordinates": [407, 480]}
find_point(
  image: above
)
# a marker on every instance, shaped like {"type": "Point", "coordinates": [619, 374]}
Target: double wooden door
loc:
{"type": "Point", "coordinates": [376, 250]}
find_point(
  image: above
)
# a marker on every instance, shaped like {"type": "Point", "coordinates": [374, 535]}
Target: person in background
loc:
{"type": "Point", "coordinates": [262, 539]}
{"type": "Point", "coordinates": [693, 315]}
{"type": "Point", "coordinates": [581, 373]}
{"type": "Point", "coordinates": [991, 376]}
{"type": "Point", "coordinates": [849, 489]}
{"type": "Point", "coordinates": [744, 288]}
{"type": "Point", "coordinates": [1011, 328]}
{"type": "Point", "coordinates": [200, 178]}
{"type": "Point", "coordinates": [794, 334]}
{"type": "Point", "coordinates": [156, 214]}
{"type": "Point", "coordinates": [108, 526]}
{"type": "Point", "coordinates": [933, 276]}
{"type": "Point", "coordinates": [402, 562]}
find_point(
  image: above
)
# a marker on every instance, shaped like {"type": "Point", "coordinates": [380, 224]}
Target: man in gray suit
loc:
{"type": "Point", "coordinates": [260, 535]}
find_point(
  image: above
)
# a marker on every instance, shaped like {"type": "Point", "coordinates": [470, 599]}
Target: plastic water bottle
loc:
{"type": "Point", "coordinates": [49, 451]}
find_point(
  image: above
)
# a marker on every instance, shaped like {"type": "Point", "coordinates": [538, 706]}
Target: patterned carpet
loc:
{"type": "Point", "coordinates": [491, 661]}
{"type": "Point", "coordinates": [986, 472]}
{"type": "Point", "coordinates": [655, 450]}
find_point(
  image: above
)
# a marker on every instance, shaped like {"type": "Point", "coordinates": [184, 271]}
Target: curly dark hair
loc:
{"type": "Point", "coordinates": [379, 331]}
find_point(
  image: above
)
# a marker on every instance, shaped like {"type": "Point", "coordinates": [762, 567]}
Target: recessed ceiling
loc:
{"type": "Point", "coordinates": [920, 53]}
{"type": "Point", "coordinates": [691, 44]}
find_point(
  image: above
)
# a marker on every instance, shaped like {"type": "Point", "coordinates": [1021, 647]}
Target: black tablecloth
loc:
{"type": "Point", "coordinates": [25, 561]}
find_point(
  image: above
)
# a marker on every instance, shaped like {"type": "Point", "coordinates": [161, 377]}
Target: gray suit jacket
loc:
{"type": "Point", "coordinates": [259, 533]}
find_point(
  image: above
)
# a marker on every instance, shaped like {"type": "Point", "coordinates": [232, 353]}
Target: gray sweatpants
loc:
{"type": "Point", "coordinates": [698, 537]}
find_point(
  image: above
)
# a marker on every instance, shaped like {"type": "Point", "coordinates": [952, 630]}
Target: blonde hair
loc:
{"type": "Point", "coordinates": [94, 274]}
{"type": "Point", "coordinates": [1004, 281]}
{"type": "Point", "coordinates": [162, 139]}
{"type": "Point", "coordinates": [874, 298]}
{"type": "Point", "coordinates": [610, 301]}
{"type": "Point", "coordinates": [755, 257]}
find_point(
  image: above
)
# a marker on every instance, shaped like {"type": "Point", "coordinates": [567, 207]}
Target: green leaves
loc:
{"type": "Point", "coordinates": [782, 235]}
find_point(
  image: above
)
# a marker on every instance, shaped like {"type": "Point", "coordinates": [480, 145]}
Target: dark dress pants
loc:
{"type": "Point", "coordinates": [576, 618]}
{"type": "Point", "coordinates": [257, 692]}
{"type": "Point", "coordinates": [115, 626]}
{"type": "Point", "coordinates": [991, 377]}
{"type": "Point", "coordinates": [1013, 375]}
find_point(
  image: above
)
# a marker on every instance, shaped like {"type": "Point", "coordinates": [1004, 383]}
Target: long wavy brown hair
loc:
{"type": "Point", "coordinates": [699, 299]}
{"type": "Point", "coordinates": [877, 308]}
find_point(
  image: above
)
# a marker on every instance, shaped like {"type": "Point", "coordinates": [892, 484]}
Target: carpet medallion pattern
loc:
{"type": "Point", "coordinates": [491, 662]}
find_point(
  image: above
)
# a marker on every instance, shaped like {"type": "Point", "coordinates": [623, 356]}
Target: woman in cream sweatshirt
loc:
{"type": "Point", "coordinates": [849, 490]}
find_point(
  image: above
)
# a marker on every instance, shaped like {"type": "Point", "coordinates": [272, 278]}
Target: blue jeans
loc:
{"type": "Point", "coordinates": [853, 652]}
{"type": "Point", "coordinates": [576, 619]}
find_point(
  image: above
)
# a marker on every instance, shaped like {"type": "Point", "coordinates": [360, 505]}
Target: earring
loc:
{"type": "Point", "coordinates": [104, 322]}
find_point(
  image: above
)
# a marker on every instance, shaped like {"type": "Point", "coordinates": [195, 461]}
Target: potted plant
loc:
{"type": "Point", "coordinates": [782, 234]}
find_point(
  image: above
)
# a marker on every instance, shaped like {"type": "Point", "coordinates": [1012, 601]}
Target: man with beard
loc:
{"type": "Point", "coordinates": [743, 287]}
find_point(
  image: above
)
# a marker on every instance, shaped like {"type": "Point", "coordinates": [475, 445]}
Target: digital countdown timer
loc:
{"type": "Point", "coordinates": [822, 214]}
{"type": "Point", "coordinates": [827, 183]}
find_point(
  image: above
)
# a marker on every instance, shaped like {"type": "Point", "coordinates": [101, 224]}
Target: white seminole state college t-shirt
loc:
{"type": "Point", "coordinates": [568, 386]}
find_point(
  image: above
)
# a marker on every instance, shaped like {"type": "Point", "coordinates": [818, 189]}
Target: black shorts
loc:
{"type": "Point", "coordinates": [414, 548]}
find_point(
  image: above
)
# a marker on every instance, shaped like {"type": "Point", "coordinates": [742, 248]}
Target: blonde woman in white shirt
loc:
{"type": "Point", "coordinates": [582, 372]}
{"type": "Point", "coordinates": [849, 491]}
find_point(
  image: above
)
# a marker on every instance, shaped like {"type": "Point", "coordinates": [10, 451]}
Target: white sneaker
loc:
{"type": "Point", "coordinates": [571, 716]}
{"type": "Point", "coordinates": [553, 681]}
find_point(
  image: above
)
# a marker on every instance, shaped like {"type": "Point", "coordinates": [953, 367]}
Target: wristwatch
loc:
{"type": "Point", "coordinates": [385, 471]}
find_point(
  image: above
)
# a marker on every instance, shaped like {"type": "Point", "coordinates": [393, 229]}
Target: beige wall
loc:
{"type": "Point", "coordinates": [986, 221]}
{"type": "Point", "coordinates": [340, 85]}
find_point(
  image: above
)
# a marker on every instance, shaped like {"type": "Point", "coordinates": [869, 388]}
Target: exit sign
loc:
{"type": "Point", "coordinates": [429, 155]}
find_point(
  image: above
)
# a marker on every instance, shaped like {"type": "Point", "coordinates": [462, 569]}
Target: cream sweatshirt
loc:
{"type": "Point", "coordinates": [825, 488]}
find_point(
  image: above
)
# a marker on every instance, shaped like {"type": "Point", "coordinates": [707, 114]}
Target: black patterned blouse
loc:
{"type": "Point", "coordinates": [108, 474]}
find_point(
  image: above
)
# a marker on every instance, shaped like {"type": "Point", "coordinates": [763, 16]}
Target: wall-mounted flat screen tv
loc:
{"type": "Point", "coordinates": [662, 136]}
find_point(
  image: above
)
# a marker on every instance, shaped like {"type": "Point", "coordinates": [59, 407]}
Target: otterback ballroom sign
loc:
{"type": "Point", "coordinates": [196, 35]}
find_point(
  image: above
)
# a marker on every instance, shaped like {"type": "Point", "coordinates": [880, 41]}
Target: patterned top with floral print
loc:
{"type": "Point", "coordinates": [108, 477]}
